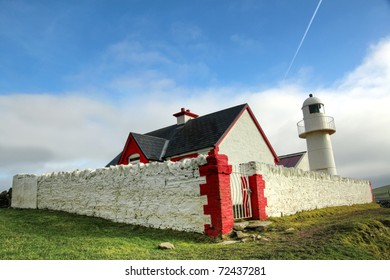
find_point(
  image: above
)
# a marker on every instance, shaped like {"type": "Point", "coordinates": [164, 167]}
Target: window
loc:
{"type": "Point", "coordinates": [134, 158]}
{"type": "Point", "coordinates": [316, 108]}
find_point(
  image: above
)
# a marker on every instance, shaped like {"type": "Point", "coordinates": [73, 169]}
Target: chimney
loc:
{"type": "Point", "coordinates": [184, 115]}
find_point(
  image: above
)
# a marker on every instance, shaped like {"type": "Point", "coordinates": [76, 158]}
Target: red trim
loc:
{"type": "Point", "coordinates": [130, 148]}
{"type": "Point", "coordinates": [217, 189]}
{"type": "Point", "coordinates": [276, 159]}
{"type": "Point", "coordinates": [258, 199]}
{"type": "Point", "coordinates": [193, 155]}
{"type": "Point", "coordinates": [372, 193]}
{"type": "Point", "coordinates": [245, 196]}
{"type": "Point", "coordinates": [187, 112]}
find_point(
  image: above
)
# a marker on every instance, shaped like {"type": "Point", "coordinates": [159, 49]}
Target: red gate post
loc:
{"type": "Point", "coordinates": [217, 189]}
{"type": "Point", "coordinates": [259, 201]}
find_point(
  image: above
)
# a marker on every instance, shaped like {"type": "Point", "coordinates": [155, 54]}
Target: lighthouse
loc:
{"type": "Point", "coordinates": [316, 128]}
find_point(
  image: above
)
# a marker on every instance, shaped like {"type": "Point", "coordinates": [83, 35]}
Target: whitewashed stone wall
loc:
{"type": "Point", "coordinates": [167, 195]}
{"type": "Point", "coordinates": [289, 191]}
{"type": "Point", "coordinates": [159, 195]}
{"type": "Point", "coordinates": [24, 191]}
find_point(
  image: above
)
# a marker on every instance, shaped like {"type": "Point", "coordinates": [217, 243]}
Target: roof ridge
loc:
{"type": "Point", "coordinates": [200, 117]}
{"type": "Point", "coordinates": [146, 135]}
{"type": "Point", "coordinates": [223, 110]}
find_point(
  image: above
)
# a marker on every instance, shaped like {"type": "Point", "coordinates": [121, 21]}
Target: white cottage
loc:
{"type": "Point", "coordinates": [235, 132]}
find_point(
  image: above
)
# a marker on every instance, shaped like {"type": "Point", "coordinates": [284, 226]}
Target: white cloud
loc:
{"type": "Point", "coordinates": [43, 132]}
{"type": "Point", "coordinates": [360, 105]}
{"type": "Point", "coordinates": [128, 52]}
{"type": "Point", "coordinates": [246, 43]}
{"type": "Point", "coordinates": [136, 67]}
{"type": "Point", "coordinates": [373, 74]}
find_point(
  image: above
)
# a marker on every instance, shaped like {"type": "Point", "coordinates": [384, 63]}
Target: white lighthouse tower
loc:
{"type": "Point", "coordinates": [316, 128]}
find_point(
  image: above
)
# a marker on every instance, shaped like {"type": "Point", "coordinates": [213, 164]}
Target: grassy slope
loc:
{"type": "Point", "coordinates": [382, 192]}
{"type": "Point", "coordinates": [356, 232]}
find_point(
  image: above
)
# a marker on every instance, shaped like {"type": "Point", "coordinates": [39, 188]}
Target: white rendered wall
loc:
{"type": "Point", "coordinates": [304, 163]}
{"type": "Point", "coordinates": [245, 143]}
{"type": "Point", "coordinates": [24, 191]}
{"type": "Point", "coordinates": [159, 195]}
{"type": "Point", "coordinates": [289, 190]}
{"type": "Point", "coordinates": [167, 195]}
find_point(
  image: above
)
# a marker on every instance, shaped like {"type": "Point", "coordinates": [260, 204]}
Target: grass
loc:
{"type": "Point", "coordinates": [382, 192]}
{"type": "Point", "coordinates": [355, 232]}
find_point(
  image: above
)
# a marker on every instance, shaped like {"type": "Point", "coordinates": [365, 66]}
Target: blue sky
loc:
{"type": "Point", "coordinates": [77, 76]}
{"type": "Point", "coordinates": [56, 46]}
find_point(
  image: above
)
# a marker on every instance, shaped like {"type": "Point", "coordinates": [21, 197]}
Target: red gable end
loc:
{"type": "Point", "coordinates": [131, 148]}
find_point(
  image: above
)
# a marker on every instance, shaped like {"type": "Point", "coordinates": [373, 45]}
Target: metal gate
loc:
{"type": "Point", "coordinates": [241, 194]}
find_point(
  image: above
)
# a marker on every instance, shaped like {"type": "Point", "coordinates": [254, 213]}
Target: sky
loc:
{"type": "Point", "coordinates": [77, 76]}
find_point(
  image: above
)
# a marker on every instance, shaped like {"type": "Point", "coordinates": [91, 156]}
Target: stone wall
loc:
{"type": "Point", "coordinates": [24, 191]}
{"type": "Point", "coordinates": [289, 191]}
{"type": "Point", "coordinates": [190, 195]}
{"type": "Point", "coordinates": [159, 195]}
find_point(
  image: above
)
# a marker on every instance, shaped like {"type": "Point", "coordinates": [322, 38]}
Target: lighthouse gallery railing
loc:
{"type": "Point", "coordinates": [316, 123]}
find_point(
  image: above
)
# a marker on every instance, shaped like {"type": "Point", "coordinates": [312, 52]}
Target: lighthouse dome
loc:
{"type": "Point", "coordinates": [311, 101]}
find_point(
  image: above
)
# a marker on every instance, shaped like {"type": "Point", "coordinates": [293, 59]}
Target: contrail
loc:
{"type": "Point", "coordinates": [303, 39]}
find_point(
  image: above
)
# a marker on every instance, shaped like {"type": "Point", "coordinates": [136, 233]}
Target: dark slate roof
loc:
{"type": "Point", "coordinates": [151, 146]}
{"type": "Point", "coordinates": [290, 160]}
{"type": "Point", "coordinates": [115, 160]}
{"type": "Point", "coordinates": [199, 133]}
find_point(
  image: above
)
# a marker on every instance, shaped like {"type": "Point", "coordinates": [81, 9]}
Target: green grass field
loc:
{"type": "Point", "coordinates": [382, 193]}
{"type": "Point", "coordinates": [358, 232]}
